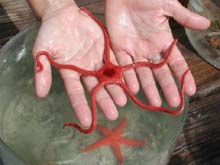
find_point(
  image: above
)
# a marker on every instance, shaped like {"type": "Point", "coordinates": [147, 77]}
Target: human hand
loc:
{"type": "Point", "coordinates": [140, 31]}
{"type": "Point", "coordinates": [72, 37]}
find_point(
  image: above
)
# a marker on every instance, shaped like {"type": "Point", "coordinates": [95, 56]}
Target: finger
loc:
{"type": "Point", "coordinates": [168, 85]}
{"type": "Point", "coordinates": [43, 78]}
{"type": "Point", "coordinates": [186, 17]}
{"type": "Point", "coordinates": [77, 97]}
{"type": "Point", "coordinates": [178, 65]}
{"type": "Point", "coordinates": [115, 91]}
{"type": "Point", "coordinates": [129, 75]}
{"type": "Point", "coordinates": [148, 84]}
{"type": "Point", "coordinates": [117, 95]}
{"type": "Point", "coordinates": [103, 99]}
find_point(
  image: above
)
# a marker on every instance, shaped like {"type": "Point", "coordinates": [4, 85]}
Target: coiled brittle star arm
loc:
{"type": "Point", "coordinates": [111, 74]}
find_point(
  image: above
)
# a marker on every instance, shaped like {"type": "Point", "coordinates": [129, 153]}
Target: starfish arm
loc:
{"type": "Point", "coordinates": [105, 131]}
{"type": "Point", "coordinates": [117, 130]}
{"type": "Point", "coordinates": [117, 152]}
{"type": "Point", "coordinates": [131, 142]}
{"type": "Point", "coordinates": [99, 143]}
{"type": "Point", "coordinates": [120, 127]}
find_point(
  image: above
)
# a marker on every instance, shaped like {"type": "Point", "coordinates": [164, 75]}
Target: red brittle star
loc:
{"type": "Point", "coordinates": [112, 74]}
{"type": "Point", "coordinates": [114, 138]}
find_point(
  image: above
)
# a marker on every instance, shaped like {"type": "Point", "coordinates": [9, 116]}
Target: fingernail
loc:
{"type": "Point", "coordinates": [190, 90]}
{"type": "Point", "coordinates": [121, 101]}
{"type": "Point", "coordinates": [175, 102]}
{"type": "Point", "coordinates": [156, 102]}
{"type": "Point", "coordinates": [86, 121]}
{"type": "Point", "coordinates": [112, 114]}
{"type": "Point", "coordinates": [134, 88]}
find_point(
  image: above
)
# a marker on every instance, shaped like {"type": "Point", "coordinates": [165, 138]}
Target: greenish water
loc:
{"type": "Point", "coordinates": [32, 127]}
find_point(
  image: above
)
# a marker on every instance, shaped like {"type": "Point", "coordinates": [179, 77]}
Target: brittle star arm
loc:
{"type": "Point", "coordinates": [152, 65]}
{"type": "Point", "coordinates": [105, 33]}
{"type": "Point", "coordinates": [60, 66]}
{"type": "Point", "coordinates": [159, 109]}
{"type": "Point", "coordinates": [93, 113]}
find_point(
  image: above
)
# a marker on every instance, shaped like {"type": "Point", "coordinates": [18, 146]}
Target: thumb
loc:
{"type": "Point", "coordinates": [187, 18]}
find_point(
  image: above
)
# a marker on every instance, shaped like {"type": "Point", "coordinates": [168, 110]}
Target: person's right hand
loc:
{"type": "Point", "coordinates": [72, 37]}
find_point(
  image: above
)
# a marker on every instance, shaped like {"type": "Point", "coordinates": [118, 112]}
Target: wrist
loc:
{"type": "Point", "coordinates": [54, 6]}
{"type": "Point", "coordinates": [47, 8]}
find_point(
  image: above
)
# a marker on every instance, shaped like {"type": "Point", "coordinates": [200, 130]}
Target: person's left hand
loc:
{"type": "Point", "coordinates": [140, 31]}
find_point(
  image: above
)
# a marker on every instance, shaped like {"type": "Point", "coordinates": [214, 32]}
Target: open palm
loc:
{"type": "Point", "coordinates": [139, 31]}
{"type": "Point", "coordinates": [72, 37]}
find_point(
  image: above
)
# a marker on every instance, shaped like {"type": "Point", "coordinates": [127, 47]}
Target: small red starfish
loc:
{"type": "Point", "coordinates": [114, 138]}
